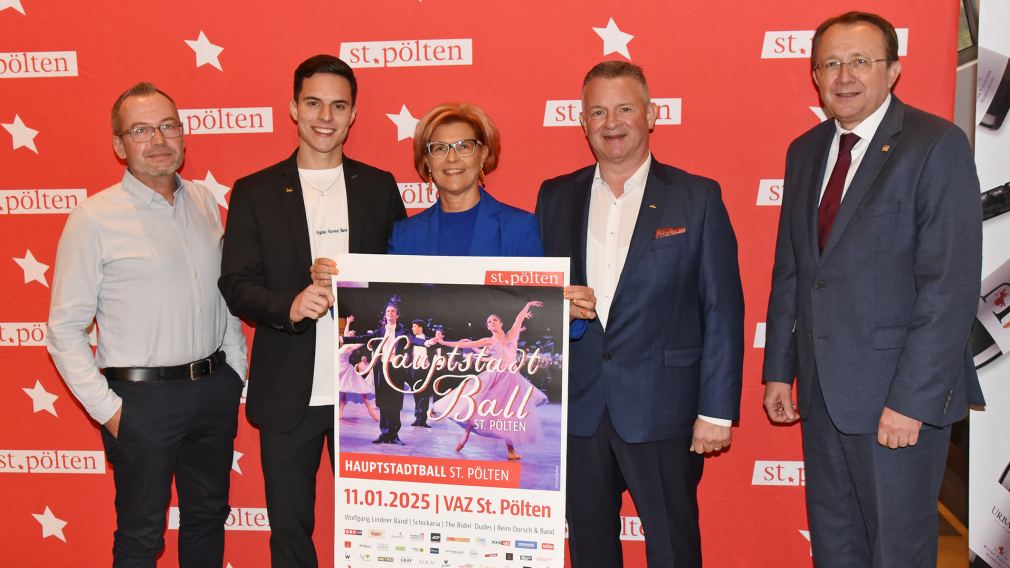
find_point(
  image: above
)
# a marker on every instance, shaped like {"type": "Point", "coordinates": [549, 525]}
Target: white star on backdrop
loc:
{"type": "Point", "coordinates": [819, 113]}
{"type": "Point", "coordinates": [21, 134]}
{"type": "Point", "coordinates": [206, 52]}
{"type": "Point", "coordinates": [15, 4]}
{"type": "Point", "coordinates": [405, 123]}
{"type": "Point", "coordinates": [236, 455]}
{"type": "Point", "coordinates": [219, 190]}
{"type": "Point", "coordinates": [34, 270]}
{"type": "Point", "coordinates": [51, 525]}
{"type": "Point", "coordinates": [41, 399]}
{"type": "Point", "coordinates": [806, 535]}
{"type": "Point", "coordinates": [614, 40]}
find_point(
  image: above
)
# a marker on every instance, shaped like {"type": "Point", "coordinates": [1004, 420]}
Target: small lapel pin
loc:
{"type": "Point", "coordinates": [652, 206]}
{"type": "Point", "coordinates": [885, 148]}
{"type": "Point", "coordinates": [289, 190]}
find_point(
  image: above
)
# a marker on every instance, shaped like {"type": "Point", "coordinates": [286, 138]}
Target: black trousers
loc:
{"type": "Point", "coordinates": [389, 400]}
{"type": "Point", "coordinates": [290, 463]}
{"type": "Point", "coordinates": [662, 478]}
{"type": "Point", "coordinates": [422, 399]}
{"type": "Point", "coordinates": [182, 428]}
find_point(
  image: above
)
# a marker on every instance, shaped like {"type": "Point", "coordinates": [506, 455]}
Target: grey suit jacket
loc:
{"type": "Point", "coordinates": [882, 317]}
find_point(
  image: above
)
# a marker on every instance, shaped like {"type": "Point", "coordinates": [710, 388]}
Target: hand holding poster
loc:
{"type": "Point", "coordinates": [461, 459]}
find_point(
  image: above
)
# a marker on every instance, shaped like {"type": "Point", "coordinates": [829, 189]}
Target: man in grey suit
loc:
{"type": "Point", "coordinates": [874, 291]}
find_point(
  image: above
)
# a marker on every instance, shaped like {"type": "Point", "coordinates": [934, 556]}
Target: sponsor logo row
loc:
{"type": "Point", "coordinates": [378, 559]}
{"type": "Point", "coordinates": [784, 44]}
{"type": "Point", "coordinates": [437, 537]}
{"type": "Point", "coordinates": [415, 548]}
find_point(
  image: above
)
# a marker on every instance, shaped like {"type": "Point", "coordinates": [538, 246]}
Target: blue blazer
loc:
{"type": "Point", "coordinates": [673, 346]}
{"type": "Point", "coordinates": [882, 316]}
{"type": "Point", "coordinates": [500, 230]}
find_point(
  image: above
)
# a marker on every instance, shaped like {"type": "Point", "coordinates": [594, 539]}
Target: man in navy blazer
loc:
{"type": "Point", "coordinates": [874, 291]}
{"type": "Point", "coordinates": [654, 382]}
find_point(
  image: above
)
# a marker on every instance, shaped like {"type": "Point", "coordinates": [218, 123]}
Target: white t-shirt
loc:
{"type": "Point", "coordinates": [325, 195]}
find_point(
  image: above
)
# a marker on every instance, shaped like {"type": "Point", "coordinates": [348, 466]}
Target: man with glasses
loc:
{"type": "Point", "coordinates": [143, 257]}
{"type": "Point", "coordinates": [285, 225]}
{"type": "Point", "coordinates": [874, 292]}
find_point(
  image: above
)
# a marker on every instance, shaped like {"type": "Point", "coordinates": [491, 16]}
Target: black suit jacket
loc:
{"type": "Point", "coordinates": [265, 264]}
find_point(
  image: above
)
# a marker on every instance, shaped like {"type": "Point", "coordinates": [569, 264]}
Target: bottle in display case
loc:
{"type": "Point", "coordinates": [984, 348]}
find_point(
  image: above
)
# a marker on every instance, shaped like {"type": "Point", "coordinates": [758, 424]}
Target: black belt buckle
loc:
{"type": "Point", "coordinates": [200, 368]}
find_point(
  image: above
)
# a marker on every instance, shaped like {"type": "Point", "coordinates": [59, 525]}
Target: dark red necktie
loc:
{"type": "Point", "coordinates": [832, 197]}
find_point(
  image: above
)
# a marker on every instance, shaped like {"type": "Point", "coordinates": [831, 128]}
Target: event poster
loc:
{"type": "Point", "coordinates": [451, 427]}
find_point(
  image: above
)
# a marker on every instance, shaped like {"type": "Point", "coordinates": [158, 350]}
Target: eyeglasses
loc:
{"type": "Point", "coordinates": [463, 148]}
{"type": "Point", "coordinates": [857, 66]}
{"type": "Point", "coordinates": [144, 132]}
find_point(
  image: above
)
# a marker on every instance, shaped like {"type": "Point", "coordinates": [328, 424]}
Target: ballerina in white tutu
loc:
{"type": "Point", "coordinates": [499, 386]}
{"type": "Point", "coordinates": [353, 378]}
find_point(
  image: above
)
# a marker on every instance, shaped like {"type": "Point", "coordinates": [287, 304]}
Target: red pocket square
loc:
{"type": "Point", "coordinates": [664, 232]}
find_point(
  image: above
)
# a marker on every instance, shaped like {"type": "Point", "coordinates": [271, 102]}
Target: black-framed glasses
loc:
{"type": "Point", "coordinates": [857, 66]}
{"type": "Point", "coordinates": [463, 148]}
{"type": "Point", "coordinates": [145, 132]}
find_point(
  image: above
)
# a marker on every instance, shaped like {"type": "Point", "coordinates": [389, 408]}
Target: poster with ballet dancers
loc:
{"type": "Point", "coordinates": [451, 427]}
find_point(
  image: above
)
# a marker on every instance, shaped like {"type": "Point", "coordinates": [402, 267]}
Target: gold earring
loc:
{"type": "Point", "coordinates": [431, 179]}
{"type": "Point", "coordinates": [480, 176]}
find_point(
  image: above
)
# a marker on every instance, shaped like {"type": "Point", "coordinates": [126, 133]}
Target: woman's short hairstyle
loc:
{"type": "Point", "coordinates": [448, 113]}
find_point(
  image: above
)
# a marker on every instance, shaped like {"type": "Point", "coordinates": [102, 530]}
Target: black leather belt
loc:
{"type": "Point", "coordinates": [189, 371]}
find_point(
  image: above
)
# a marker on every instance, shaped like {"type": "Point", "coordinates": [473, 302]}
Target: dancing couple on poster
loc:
{"type": "Point", "coordinates": [498, 387]}
{"type": "Point", "coordinates": [497, 402]}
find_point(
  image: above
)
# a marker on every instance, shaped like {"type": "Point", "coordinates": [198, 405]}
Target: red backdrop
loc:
{"type": "Point", "coordinates": [739, 69]}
